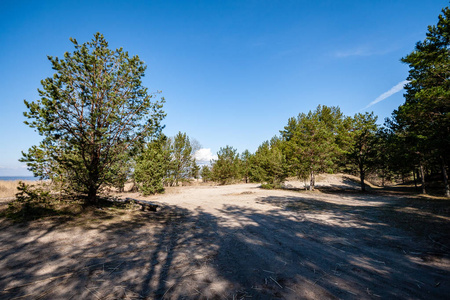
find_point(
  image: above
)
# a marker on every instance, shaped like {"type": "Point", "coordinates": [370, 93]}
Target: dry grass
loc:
{"type": "Point", "coordinates": [8, 189]}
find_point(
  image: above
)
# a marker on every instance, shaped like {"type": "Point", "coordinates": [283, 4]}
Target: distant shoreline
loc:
{"type": "Point", "coordinates": [13, 178]}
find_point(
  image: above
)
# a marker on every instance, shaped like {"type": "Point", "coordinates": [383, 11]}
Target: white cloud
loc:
{"type": "Point", "coordinates": [204, 156]}
{"type": "Point", "coordinates": [395, 89]}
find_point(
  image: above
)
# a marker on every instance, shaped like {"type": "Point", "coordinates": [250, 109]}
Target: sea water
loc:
{"type": "Point", "coordinates": [12, 178]}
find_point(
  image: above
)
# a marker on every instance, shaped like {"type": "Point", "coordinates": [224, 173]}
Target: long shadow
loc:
{"type": "Point", "coordinates": [300, 248]}
{"type": "Point", "coordinates": [419, 217]}
{"type": "Point", "coordinates": [350, 256]}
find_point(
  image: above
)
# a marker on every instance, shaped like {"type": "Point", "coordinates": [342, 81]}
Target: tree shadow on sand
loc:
{"type": "Point", "coordinates": [303, 248]}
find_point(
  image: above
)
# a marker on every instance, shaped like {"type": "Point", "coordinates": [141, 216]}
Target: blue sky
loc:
{"type": "Point", "coordinates": [232, 72]}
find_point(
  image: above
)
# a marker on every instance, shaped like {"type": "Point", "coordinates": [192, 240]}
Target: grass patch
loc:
{"type": "Point", "coordinates": [271, 186]}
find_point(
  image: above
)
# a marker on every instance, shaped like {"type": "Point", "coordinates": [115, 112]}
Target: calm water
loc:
{"type": "Point", "coordinates": [12, 178]}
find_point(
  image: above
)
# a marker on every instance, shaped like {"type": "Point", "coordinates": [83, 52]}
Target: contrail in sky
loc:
{"type": "Point", "coordinates": [397, 88]}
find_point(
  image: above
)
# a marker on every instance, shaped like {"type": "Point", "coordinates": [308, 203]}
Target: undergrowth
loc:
{"type": "Point", "coordinates": [37, 201]}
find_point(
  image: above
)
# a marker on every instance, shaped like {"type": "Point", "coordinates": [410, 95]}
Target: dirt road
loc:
{"type": "Point", "coordinates": [237, 242]}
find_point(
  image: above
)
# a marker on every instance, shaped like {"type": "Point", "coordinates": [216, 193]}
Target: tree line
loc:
{"type": "Point", "coordinates": [101, 127]}
{"type": "Point", "coordinates": [321, 141]}
{"type": "Point", "coordinates": [414, 141]}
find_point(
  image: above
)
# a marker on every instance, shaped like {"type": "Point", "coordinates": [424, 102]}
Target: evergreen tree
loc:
{"type": "Point", "coordinates": [182, 158]}
{"type": "Point", "coordinates": [424, 116]}
{"type": "Point", "coordinates": [245, 165]}
{"type": "Point", "coordinates": [311, 142]}
{"type": "Point", "coordinates": [152, 166]}
{"type": "Point", "coordinates": [226, 168]}
{"type": "Point", "coordinates": [195, 169]}
{"type": "Point", "coordinates": [269, 164]}
{"type": "Point", "coordinates": [363, 149]}
{"type": "Point", "coordinates": [91, 111]}
{"type": "Point", "coordinates": [206, 173]}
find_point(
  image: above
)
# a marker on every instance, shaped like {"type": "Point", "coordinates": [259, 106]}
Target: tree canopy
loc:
{"type": "Point", "coordinates": [226, 168]}
{"type": "Point", "coordinates": [312, 141]}
{"type": "Point", "coordinates": [363, 149]}
{"type": "Point", "coordinates": [424, 118]}
{"type": "Point", "coordinates": [90, 112]}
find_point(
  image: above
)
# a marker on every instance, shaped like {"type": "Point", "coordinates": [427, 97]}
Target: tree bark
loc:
{"type": "Point", "coordinates": [361, 177]}
{"type": "Point", "coordinates": [415, 179]}
{"type": "Point", "coordinates": [445, 177]}
{"type": "Point", "coordinates": [422, 177]}
{"type": "Point", "coordinates": [92, 195]}
{"type": "Point", "coordinates": [312, 181]}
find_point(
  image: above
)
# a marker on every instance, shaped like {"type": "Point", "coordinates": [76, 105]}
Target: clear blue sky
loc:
{"type": "Point", "coordinates": [232, 72]}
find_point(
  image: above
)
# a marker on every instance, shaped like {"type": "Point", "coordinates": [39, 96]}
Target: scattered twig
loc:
{"type": "Point", "coordinates": [438, 242]}
{"type": "Point", "coordinates": [372, 294]}
{"type": "Point", "coordinates": [24, 296]}
{"type": "Point", "coordinates": [167, 291]}
{"type": "Point", "coordinates": [113, 270]}
{"type": "Point", "coordinates": [291, 289]}
{"type": "Point", "coordinates": [197, 291]}
{"type": "Point", "coordinates": [379, 261]}
{"type": "Point", "coordinates": [93, 292]}
{"type": "Point", "coordinates": [320, 278]}
{"type": "Point", "coordinates": [33, 282]}
{"type": "Point", "coordinates": [336, 248]}
{"type": "Point", "coordinates": [48, 291]}
{"type": "Point", "coordinates": [275, 281]}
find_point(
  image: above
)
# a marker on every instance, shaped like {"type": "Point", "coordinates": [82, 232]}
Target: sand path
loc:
{"type": "Point", "coordinates": [237, 242]}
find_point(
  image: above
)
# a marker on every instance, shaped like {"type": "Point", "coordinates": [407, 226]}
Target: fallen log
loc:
{"type": "Point", "coordinates": [145, 205]}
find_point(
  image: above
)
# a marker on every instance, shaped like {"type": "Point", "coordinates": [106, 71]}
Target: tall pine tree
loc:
{"type": "Point", "coordinates": [90, 112]}
{"type": "Point", "coordinates": [424, 116]}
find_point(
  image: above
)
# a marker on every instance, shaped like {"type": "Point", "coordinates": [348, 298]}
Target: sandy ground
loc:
{"type": "Point", "coordinates": [238, 242]}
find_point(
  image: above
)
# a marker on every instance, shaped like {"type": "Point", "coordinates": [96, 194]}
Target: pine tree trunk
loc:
{"type": "Point", "coordinates": [415, 179]}
{"type": "Point", "coordinates": [93, 179]}
{"type": "Point", "coordinates": [363, 185]}
{"type": "Point", "coordinates": [445, 177]}
{"type": "Point", "coordinates": [361, 177]}
{"type": "Point", "coordinates": [422, 177]}
{"type": "Point", "coordinates": [312, 181]}
{"type": "Point", "coordinates": [92, 196]}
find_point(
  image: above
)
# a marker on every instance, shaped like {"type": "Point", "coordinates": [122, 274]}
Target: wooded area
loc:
{"type": "Point", "coordinates": [102, 128]}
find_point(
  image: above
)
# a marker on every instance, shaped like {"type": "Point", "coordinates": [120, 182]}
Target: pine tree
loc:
{"type": "Point", "coordinates": [425, 114]}
{"type": "Point", "coordinates": [91, 111]}
{"type": "Point", "coordinates": [311, 142]}
{"type": "Point", "coordinates": [206, 173]}
{"type": "Point", "coordinates": [226, 168]}
{"type": "Point", "coordinates": [269, 164]}
{"type": "Point", "coordinates": [363, 149]}
{"type": "Point", "coordinates": [182, 158]}
{"type": "Point", "coordinates": [152, 166]}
